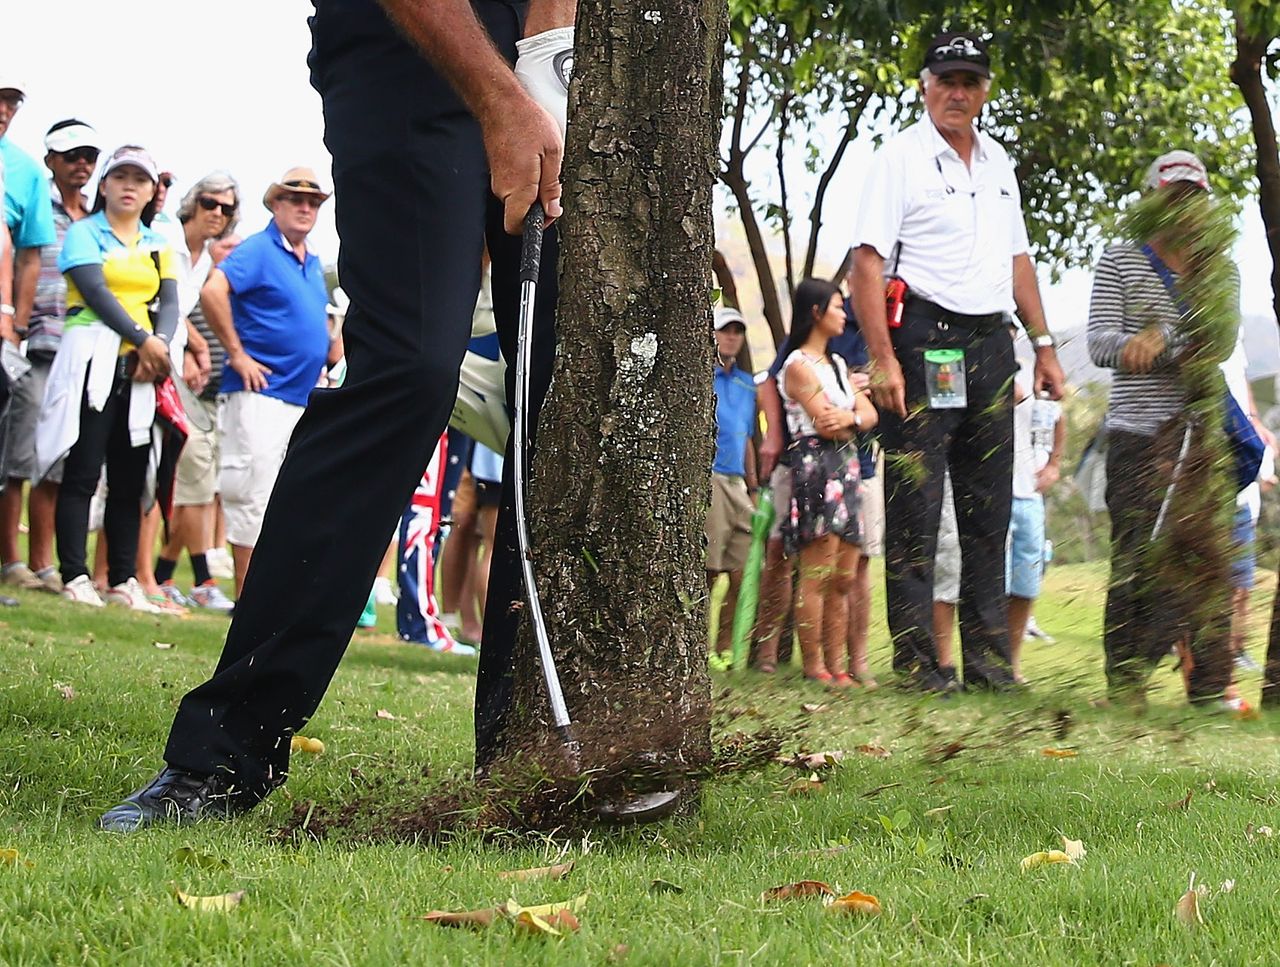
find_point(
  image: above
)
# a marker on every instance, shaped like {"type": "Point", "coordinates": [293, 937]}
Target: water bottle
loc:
{"type": "Point", "coordinates": [1044, 418]}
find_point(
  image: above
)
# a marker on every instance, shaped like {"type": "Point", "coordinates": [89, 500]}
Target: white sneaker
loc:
{"type": "Point", "coordinates": [130, 595]}
{"type": "Point", "coordinates": [220, 563]}
{"type": "Point", "coordinates": [81, 591]}
{"type": "Point", "coordinates": [382, 593]}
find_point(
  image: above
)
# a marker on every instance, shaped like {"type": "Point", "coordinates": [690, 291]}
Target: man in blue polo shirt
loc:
{"type": "Point", "coordinates": [733, 474]}
{"type": "Point", "coordinates": [266, 303]}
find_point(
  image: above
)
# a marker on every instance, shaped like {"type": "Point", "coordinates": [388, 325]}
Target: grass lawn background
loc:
{"type": "Point", "coordinates": [936, 830]}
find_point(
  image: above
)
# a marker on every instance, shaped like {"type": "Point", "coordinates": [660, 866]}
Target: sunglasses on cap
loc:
{"type": "Point", "coordinates": [303, 185]}
{"type": "Point", "coordinates": [209, 204]}
{"type": "Point", "coordinates": [79, 154]}
{"type": "Point", "coordinates": [961, 48]}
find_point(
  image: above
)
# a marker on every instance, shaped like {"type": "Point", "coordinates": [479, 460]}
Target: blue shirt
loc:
{"type": "Point", "coordinates": [28, 209]}
{"type": "Point", "coordinates": [278, 306]}
{"type": "Point", "coordinates": [735, 419]}
{"type": "Point", "coordinates": [852, 348]}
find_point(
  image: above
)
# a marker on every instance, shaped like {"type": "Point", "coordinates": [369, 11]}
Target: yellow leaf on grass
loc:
{"type": "Point", "coordinates": [211, 904]}
{"type": "Point", "coordinates": [557, 872]}
{"type": "Point", "coordinates": [300, 743]}
{"type": "Point", "coordinates": [11, 857]}
{"type": "Point", "coordinates": [1074, 848]}
{"type": "Point", "coordinates": [1059, 753]}
{"type": "Point", "coordinates": [1045, 858]}
{"type": "Point", "coordinates": [861, 904]}
{"type": "Point", "coordinates": [794, 891]}
{"type": "Point", "coordinates": [553, 925]}
{"type": "Point", "coordinates": [545, 910]}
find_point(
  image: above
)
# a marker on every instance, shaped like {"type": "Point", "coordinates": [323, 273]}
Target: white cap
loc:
{"type": "Point", "coordinates": [1176, 166]}
{"type": "Point", "coordinates": [69, 135]}
{"type": "Point", "coordinates": [10, 82]}
{"type": "Point", "coordinates": [131, 155]}
{"type": "Point", "coordinates": [727, 316]}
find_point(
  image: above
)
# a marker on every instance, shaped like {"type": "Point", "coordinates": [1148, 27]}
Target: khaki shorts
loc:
{"type": "Point", "coordinates": [780, 483]}
{"type": "Point", "coordinates": [728, 523]}
{"type": "Point", "coordinates": [873, 514]}
{"type": "Point", "coordinates": [197, 480]}
{"type": "Point", "coordinates": [24, 412]}
{"type": "Point", "coordinates": [254, 432]}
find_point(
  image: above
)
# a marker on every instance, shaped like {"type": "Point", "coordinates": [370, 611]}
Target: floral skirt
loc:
{"type": "Point", "coordinates": [825, 499]}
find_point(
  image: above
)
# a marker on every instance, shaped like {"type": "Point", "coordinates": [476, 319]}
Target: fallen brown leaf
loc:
{"type": "Point", "coordinates": [557, 872]}
{"type": "Point", "coordinates": [384, 714]}
{"type": "Point", "coordinates": [555, 924]}
{"type": "Point", "coordinates": [65, 690]}
{"type": "Point", "coordinates": [813, 760]}
{"type": "Point", "coordinates": [861, 904]}
{"type": "Point", "coordinates": [464, 918]}
{"type": "Point", "coordinates": [945, 753]}
{"type": "Point", "coordinates": [938, 811]}
{"type": "Point", "coordinates": [1184, 803]}
{"type": "Point", "coordinates": [1187, 909]}
{"type": "Point", "coordinates": [1059, 753]}
{"type": "Point", "coordinates": [813, 708]}
{"type": "Point", "coordinates": [1252, 831]}
{"type": "Point", "coordinates": [875, 751]}
{"type": "Point", "coordinates": [794, 891]}
{"type": "Point", "coordinates": [872, 793]}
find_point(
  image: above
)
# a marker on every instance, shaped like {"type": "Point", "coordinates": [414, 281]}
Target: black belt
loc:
{"type": "Point", "coordinates": [924, 309]}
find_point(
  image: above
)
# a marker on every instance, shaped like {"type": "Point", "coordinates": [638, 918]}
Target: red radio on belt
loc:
{"type": "Point", "coordinates": [895, 299]}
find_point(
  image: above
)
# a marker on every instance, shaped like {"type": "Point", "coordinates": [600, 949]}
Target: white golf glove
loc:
{"type": "Point", "coordinates": [544, 64]}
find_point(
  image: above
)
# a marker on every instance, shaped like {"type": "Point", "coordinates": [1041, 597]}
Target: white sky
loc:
{"type": "Point", "coordinates": [225, 86]}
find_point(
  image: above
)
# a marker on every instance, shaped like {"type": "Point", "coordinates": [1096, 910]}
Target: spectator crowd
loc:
{"type": "Point", "coordinates": [156, 366]}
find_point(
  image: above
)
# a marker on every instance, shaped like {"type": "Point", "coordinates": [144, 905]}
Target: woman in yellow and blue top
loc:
{"type": "Point", "coordinates": [122, 311]}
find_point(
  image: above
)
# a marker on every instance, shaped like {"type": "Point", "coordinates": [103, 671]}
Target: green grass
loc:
{"type": "Point", "coordinates": [949, 882]}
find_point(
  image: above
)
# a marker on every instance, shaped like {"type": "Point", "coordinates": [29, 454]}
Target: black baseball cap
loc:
{"type": "Point", "coordinates": [958, 51]}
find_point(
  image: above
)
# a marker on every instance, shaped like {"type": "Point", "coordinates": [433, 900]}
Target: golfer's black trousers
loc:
{"type": "Point", "coordinates": [977, 444]}
{"type": "Point", "coordinates": [414, 212]}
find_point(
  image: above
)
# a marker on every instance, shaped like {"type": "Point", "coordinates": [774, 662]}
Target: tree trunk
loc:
{"type": "Point", "coordinates": [620, 480]}
{"type": "Point", "coordinates": [1246, 74]}
{"type": "Point", "coordinates": [734, 178]}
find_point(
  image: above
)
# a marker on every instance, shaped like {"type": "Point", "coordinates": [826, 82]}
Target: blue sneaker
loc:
{"type": "Point", "coordinates": [368, 617]}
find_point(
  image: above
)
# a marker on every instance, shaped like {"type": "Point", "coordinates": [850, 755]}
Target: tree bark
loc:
{"type": "Point", "coordinates": [620, 480]}
{"type": "Point", "coordinates": [1246, 74]}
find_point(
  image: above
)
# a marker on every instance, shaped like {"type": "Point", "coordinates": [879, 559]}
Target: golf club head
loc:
{"type": "Point", "coordinates": [642, 807]}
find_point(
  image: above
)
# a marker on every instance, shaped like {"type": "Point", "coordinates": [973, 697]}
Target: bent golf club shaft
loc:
{"type": "Point", "coordinates": [530, 262]}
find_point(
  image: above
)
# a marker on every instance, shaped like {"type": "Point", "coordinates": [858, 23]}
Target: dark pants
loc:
{"type": "Point", "coordinates": [414, 211]}
{"type": "Point", "coordinates": [977, 444]}
{"type": "Point", "coordinates": [104, 438]}
{"type": "Point", "coordinates": [1145, 616]}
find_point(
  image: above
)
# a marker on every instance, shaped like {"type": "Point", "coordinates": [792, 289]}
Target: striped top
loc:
{"type": "Point", "coordinates": [1127, 297]}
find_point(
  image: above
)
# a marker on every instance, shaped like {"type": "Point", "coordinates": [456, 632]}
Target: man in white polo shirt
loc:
{"type": "Point", "coordinates": [941, 256]}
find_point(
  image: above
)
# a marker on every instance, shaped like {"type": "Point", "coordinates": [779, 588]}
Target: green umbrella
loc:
{"type": "Point", "coordinates": [744, 618]}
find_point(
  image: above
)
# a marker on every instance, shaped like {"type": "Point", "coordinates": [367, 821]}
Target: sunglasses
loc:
{"type": "Point", "coordinates": [209, 204]}
{"type": "Point", "coordinates": [302, 201]}
{"type": "Point", "coordinates": [962, 48]}
{"type": "Point", "coordinates": [76, 155]}
{"type": "Point", "coordinates": [166, 181]}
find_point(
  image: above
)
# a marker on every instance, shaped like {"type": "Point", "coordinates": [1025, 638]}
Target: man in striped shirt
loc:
{"type": "Point", "coordinates": [1134, 330]}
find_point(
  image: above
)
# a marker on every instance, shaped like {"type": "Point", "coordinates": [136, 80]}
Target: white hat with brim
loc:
{"type": "Point", "coordinates": [727, 316]}
{"type": "Point", "coordinates": [130, 155]}
{"type": "Point", "coordinates": [1176, 166]}
{"type": "Point", "coordinates": [71, 136]}
{"type": "Point", "coordinates": [301, 181]}
{"type": "Point", "coordinates": [8, 82]}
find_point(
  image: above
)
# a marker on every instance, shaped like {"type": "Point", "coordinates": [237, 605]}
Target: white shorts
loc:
{"type": "Point", "coordinates": [254, 434]}
{"type": "Point", "coordinates": [946, 562]}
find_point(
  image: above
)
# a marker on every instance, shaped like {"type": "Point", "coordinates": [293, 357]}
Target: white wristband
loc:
{"type": "Point", "coordinates": [7, 310]}
{"type": "Point", "coordinates": [544, 64]}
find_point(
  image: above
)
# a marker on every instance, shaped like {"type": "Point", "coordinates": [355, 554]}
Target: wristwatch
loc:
{"type": "Point", "coordinates": [1043, 341]}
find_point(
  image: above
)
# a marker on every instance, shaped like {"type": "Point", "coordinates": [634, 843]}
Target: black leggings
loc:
{"type": "Point", "coordinates": [104, 437]}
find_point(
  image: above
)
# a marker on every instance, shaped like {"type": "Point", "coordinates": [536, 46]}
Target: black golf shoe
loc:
{"type": "Point", "coordinates": [174, 796]}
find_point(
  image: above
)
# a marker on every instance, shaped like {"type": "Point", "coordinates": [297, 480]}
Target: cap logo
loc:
{"type": "Point", "coordinates": [960, 47]}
